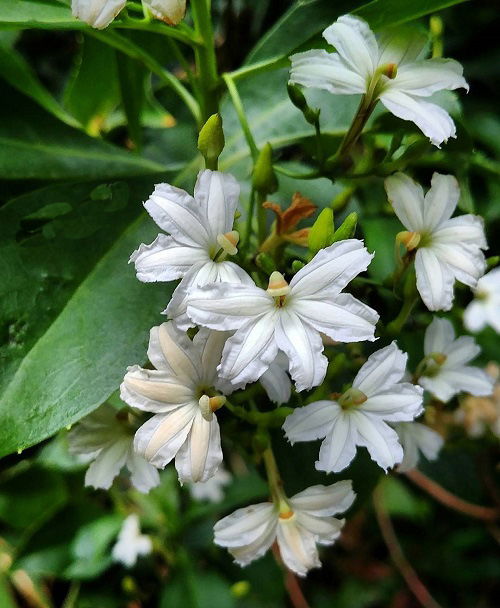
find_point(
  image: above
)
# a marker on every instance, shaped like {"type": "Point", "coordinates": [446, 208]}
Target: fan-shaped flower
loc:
{"type": "Point", "coordinates": [485, 308]}
{"type": "Point", "coordinates": [444, 372]}
{"type": "Point", "coordinates": [104, 438]}
{"type": "Point", "coordinates": [298, 523]}
{"type": "Point", "coordinates": [391, 70]}
{"type": "Point", "coordinates": [288, 317]}
{"type": "Point", "coordinates": [360, 415]}
{"type": "Point", "coordinates": [131, 543]}
{"type": "Point", "coordinates": [446, 249]}
{"type": "Point", "coordinates": [415, 438]}
{"type": "Point", "coordinates": [201, 237]}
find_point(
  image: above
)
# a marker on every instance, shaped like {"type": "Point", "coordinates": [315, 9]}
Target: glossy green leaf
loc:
{"type": "Point", "coordinates": [36, 13]}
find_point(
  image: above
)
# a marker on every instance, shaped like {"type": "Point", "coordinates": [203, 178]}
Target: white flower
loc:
{"type": "Point", "coordinates": [447, 249]}
{"type": "Point", "coordinates": [288, 317]}
{"type": "Point", "coordinates": [171, 11]}
{"type": "Point", "coordinates": [485, 308]}
{"type": "Point", "coordinates": [97, 13]}
{"type": "Point", "coordinates": [392, 71]}
{"type": "Point", "coordinates": [276, 381]}
{"type": "Point", "coordinates": [298, 523]}
{"type": "Point", "coordinates": [102, 437]}
{"type": "Point", "coordinates": [416, 437]}
{"type": "Point", "coordinates": [131, 543]}
{"type": "Point", "coordinates": [444, 370]}
{"type": "Point", "coordinates": [180, 392]}
{"type": "Point", "coordinates": [212, 489]}
{"type": "Point", "coordinates": [201, 236]}
{"type": "Point", "coordinates": [360, 415]}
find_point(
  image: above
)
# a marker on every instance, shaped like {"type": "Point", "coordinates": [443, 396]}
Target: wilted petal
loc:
{"type": "Point", "coordinates": [201, 454]}
{"type": "Point", "coordinates": [355, 43]}
{"type": "Point", "coordinates": [434, 280]}
{"type": "Point", "coordinates": [423, 78]}
{"type": "Point", "coordinates": [379, 439]}
{"type": "Point", "coordinates": [441, 200]}
{"type": "Point", "coordinates": [407, 200]}
{"type": "Point", "coordinates": [165, 259]}
{"type": "Point", "coordinates": [322, 501]}
{"type": "Point", "coordinates": [321, 70]}
{"type": "Point", "coordinates": [431, 119]}
{"type": "Point", "coordinates": [382, 369]}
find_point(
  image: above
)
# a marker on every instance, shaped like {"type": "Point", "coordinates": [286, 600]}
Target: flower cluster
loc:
{"type": "Point", "coordinates": [232, 323]}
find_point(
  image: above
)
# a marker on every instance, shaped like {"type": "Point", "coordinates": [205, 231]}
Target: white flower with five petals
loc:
{"type": "Point", "coordinates": [288, 317]}
{"type": "Point", "coordinates": [446, 249]}
{"type": "Point", "coordinates": [131, 543]}
{"type": "Point", "coordinates": [182, 394]}
{"type": "Point", "coordinates": [104, 439]}
{"type": "Point", "coordinates": [97, 13]}
{"type": "Point", "coordinates": [485, 308]}
{"type": "Point", "coordinates": [200, 237]}
{"type": "Point", "coordinates": [416, 437]}
{"type": "Point", "coordinates": [359, 417]}
{"type": "Point", "coordinates": [444, 371]}
{"type": "Point", "coordinates": [297, 523]}
{"type": "Point", "coordinates": [391, 70]}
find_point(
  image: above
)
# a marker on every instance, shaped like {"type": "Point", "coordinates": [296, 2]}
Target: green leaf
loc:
{"type": "Point", "coordinates": [44, 148]}
{"type": "Point", "coordinates": [197, 590]}
{"type": "Point", "coordinates": [18, 73]}
{"type": "Point", "coordinates": [132, 86]}
{"type": "Point", "coordinates": [73, 313]}
{"type": "Point", "coordinates": [384, 13]}
{"type": "Point", "coordinates": [380, 234]}
{"type": "Point", "coordinates": [36, 13]}
{"type": "Point", "coordinates": [6, 597]}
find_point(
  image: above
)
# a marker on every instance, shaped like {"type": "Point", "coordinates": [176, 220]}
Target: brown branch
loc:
{"type": "Point", "coordinates": [406, 570]}
{"type": "Point", "coordinates": [291, 583]}
{"type": "Point", "coordinates": [450, 500]}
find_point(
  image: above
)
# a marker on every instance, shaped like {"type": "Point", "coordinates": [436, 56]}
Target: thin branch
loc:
{"type": "Point", "coordinates": [406, 570]}
{"type": "Point", "coordinates": [292, 585]}
{"type": "Point", "coordinates": [450, 500]}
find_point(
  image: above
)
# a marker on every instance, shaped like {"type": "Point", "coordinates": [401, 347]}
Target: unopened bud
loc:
{"type": "Point", "coordinates": [347, 229]}
{"type": "Point", "coordinates": [229, 241]}
{"type": "Point", "coordinates": [277, 285]}
{"type": "Point", "coordinates": [297, 97]}
{"type": "Point", "coordinates": [99, 13]}
{"type": "Point", "coordinates": [322, 231]}
{"type": "Point", "coordinates": [211, 140]}
{"type": "Point", "coordinates": [264, 179]}
{"type": "Point", "coordinates": [410, 240]}
{"type": "Point", "coordinates": [170, 11]}
{"type": "Point", "coordinates": [297, 265]}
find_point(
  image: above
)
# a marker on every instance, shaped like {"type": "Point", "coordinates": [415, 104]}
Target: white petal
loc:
{"type": "Point", "coordinates": [461, 351]}
{"type": "Point", "coordinates": [407, 199]}
{"type": "Point", "coordinates": [250, 351]}
{"type": "Point", "coordinates": [276, 383]}
{"type": "Point", "coordinates": [217, 195]}
{"type": "Point", "coordinates": [331, 269]}
{"type": "Point", "coordinates": [143, 475]}
{"type": "Point", "coordinates": [383, 369]}
{"type": "Point", "coordinates": [465, 261]}
{"type": "Point", "coordinates": [325, 529]}
{"type": "Point", "coordinates": [201, 454]}
{"type": "Point", "coordinates": [339, 446]}
{"type": "Point", "coordinates": [379, 439]}
{"type": "Point", "coordinates": [321, 70]}
{"type": "Point", "coordinates": [153, 390]}
{"type": "Point", "coordinates": [108, 464]}
{"type": "Point", "coordinates": [171, 350]}
{"type": "Point", "coordinates": [210, 345]}
{"type": "Point", "coordinates": [402, 401]}
{"type": "Point", "coordinates": [297, 547]}
{"type": "Point", "coordinates": [310, 422]}
{"type": "Point", "coordinates": [165, 259]}
{"type": "Point", "coordinates": [431, 119]}
{"type": "Point", "coordinates": [97, 14]}
{"type": "Point", "coordinates": [344, 319]}
{"type": "Point", "coordinates": [423, 78]}
{"type": "Point", "coordinates": [467, 229]}
{"type": "Point", "coordinates": [355, 43]}
{"type": "Point", "coordinates": [438, 336]}
{"type": "Point", "coordinates": [434, 280]}
{"type": "Point", "coordinates": [225, 306]}
{"type": "Point", "coordinates": [441, 200]}
{"type": "Point", "coordinates": [245, 525]}
{"type": "Point", "coordinates": [176, 212]}
{"type": "Point", "coordinates": [468, 379]}
{"type": "Point", "coordinates": [248, 553]}
{"type": "Point", "coordinates": [439, 387]}
{"type": "Point", "coordinates": [322, 501]}
{"type": "Point", "coordinates": [401, 46]}
{"type": "Point", "coordinates": [304, 348]}
{"type": "Point", "coordinates": [417, 437]}
{"type": "Point", "coordinates": [475, 317]}
{"type": "Point", "coordinates": [160, 438]}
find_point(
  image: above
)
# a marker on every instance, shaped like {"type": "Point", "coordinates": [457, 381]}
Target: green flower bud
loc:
{"type": "Point", "coordinates": [297, 265]}
{"type": "Point", "coordinates": [211, 140]}
{"type": "Point", "coordinates": [297, 97]}
{"type": "Point", "coordinates": [322, 231]}
{"type": "Point", "coordinates": [264, 179]}
{"type": "Point", "coordinates": [347, 229]}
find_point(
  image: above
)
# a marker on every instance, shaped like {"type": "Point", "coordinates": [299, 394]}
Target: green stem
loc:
{"type": "Point", "coordinates": [363, 113]}
{"type": "Point", "coordinates": [132, 50]}
{"type": "Point", "coordinates": [274, 63]}
{"type": "Point", "coordinates": [396, 325]}
{"type": "Point", "coordinates": [274, 418]}
{"type": "Point", "coordinates": [240, 112]}
{"type": "Point", "coordinates": [206, 62]}
{"type": "Point", "coordinates": [311, 175]}
{"type": "Point", "coordinates": [182, 34]}
{"type": "Point", "coordinates": [273, 475]}
{"type": "Point", "coordinates": [261, 217]}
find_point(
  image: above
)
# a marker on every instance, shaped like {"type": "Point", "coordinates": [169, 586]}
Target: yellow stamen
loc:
{"type": "Point", "coordinates": [229, 241]}
{"type": "Point", "coordinates": [410, 240]}
{"type": "Point", "coordinates": [209, 405]}
{"type": "Point", "coordinates": [277, 285]}
{"type": "Point", "coordinates": [352, 397]}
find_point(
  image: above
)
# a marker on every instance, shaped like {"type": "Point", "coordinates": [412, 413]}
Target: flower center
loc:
{"type": "Point", "coordinates": [285, 511]}
{"type": "Point", "coordinates": [209, 405]}
{"type": "Point", "coordinates": [352, 398]}
{"type": "Point", "coordinates": [278, 288]}
{"type": "Point", "coordinates": [384, 72]}
{"type": "Point", "coordinates": [228, 245]}
{"type": "Point", "coordinates": [431, 364]}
